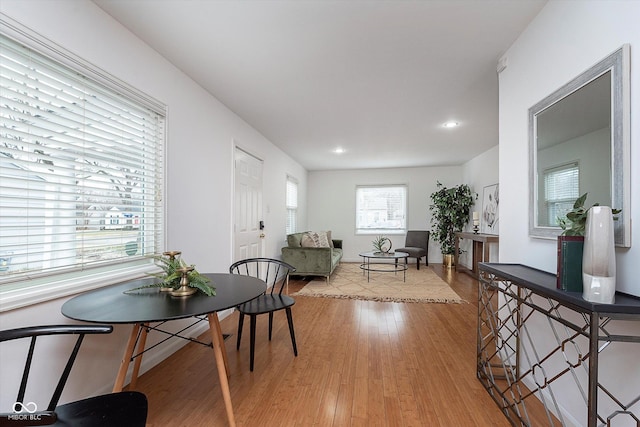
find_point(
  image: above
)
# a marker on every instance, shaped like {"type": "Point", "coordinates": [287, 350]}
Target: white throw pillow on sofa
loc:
{"type": "Point", "coordinates": [313, 239]}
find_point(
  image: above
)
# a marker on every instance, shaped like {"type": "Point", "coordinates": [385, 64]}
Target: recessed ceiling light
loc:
{"type": "Point", "coordinates": [450, 124]}
{"type": "Point", "coordinates": [339, 150]}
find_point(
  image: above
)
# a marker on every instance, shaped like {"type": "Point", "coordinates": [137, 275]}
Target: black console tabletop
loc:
{"type": "Point", "coordinates": [544, 283]}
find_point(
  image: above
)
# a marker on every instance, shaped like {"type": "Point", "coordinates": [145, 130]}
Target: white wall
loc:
{"type": "Point", "coordinates": [331, 203]}
{"type": "Point", "coordinates": [478, 173]}
{"type": "Point", "coordinates": [332, 200]}
{"type": "Point", "coordinates": [565, 39]}
{"type": "Point", "coordinates": [558, 45]}
{"type": "Point", "coordinates": [201, 137]}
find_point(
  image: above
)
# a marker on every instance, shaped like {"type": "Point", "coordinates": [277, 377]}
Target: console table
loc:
{"type": "Point", "coordinates": [480, 251]}
{"type": "Point", "coordinates": [538, 344]}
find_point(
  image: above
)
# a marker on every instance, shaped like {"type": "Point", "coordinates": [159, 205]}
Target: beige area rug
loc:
{"type": "Point", "coordinates": [348, 281]}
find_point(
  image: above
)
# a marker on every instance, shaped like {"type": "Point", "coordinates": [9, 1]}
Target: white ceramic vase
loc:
{"type": "Point", "coordinates": [599, 257]}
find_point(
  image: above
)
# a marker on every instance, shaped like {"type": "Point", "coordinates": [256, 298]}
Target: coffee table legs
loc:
{"type": "Point", "coordinates": [366, 266]}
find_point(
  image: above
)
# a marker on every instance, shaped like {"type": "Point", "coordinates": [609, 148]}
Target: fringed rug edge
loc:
{"type": "Point", "coordinates": [385, 299]}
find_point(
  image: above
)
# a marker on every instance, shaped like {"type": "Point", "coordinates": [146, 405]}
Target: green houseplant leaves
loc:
{"type": "Point", "coordinates": [450, 213]}
{"type": "Point", "coordinates": [575, 220]}
{"type": "Point", "coordinates": [170, 276]}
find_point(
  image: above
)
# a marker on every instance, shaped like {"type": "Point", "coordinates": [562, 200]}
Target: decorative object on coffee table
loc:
{"type": "Point", "coordinates": [382, 244]}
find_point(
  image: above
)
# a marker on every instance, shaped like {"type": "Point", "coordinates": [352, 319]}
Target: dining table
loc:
{"type": "Point", "coordinates": [148, 308]}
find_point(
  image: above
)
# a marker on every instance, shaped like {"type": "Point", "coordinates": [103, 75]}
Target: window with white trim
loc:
{"type": "Point", "coordinates": [81, 168]}
{"type": "Point", "coordinates": [381, 209]}
{"type": "Point", "coordinates": [292, 205]}
{"type": "Point", "coordinates": [561, 189]}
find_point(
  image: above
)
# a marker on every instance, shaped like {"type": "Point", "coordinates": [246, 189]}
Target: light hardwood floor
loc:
{"type": "Point", "coordinates": [360, 363]}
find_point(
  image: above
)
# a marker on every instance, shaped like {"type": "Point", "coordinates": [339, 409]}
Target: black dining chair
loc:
{"type": "Point", "coordinates": [417, 246]}
{"type": "Point", "coordinates": [275, 274]}
{"type": "Point", "coordinates": [110, 410]}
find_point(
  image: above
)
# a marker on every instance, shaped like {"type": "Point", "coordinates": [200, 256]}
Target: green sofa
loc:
{"type": "Point", "coordinates": [312, 261]}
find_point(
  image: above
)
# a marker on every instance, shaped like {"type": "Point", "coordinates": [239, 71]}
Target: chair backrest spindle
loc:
{"type": "Point", "coordinates": [65, 374]}
{"type": "Point", "coordinates": [27, 368]}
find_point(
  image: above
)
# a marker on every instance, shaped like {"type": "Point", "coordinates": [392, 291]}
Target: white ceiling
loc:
{"type": "Point", "coordinates": [377, 78]}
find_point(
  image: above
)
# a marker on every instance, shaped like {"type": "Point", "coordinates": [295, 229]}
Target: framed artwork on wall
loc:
{"type": "Point", "coordinates": [490, 208]}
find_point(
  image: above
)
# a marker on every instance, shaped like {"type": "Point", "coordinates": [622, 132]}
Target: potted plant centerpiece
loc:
{"type": "Point", "coordinates": [450, 213]}
{"type": "Point", "coordinates": [571, 244]}
{"type": "Point", "coordinates": [178, 278]}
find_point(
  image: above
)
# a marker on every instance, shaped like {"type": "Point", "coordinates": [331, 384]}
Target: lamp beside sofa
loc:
{"type": "Point", "coordinates": [312, 253]}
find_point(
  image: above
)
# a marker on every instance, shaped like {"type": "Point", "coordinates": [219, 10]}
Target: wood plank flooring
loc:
{"type": "Point", "coordinates": [360, 363]}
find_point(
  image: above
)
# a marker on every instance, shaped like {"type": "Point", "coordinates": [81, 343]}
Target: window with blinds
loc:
{"type": "Point", "coordinates": [561, 189]}
{"type": "Point", "coordinates": [292, 205]}
{"type": "Point", "coordinates": [381, 209]}
{"type": "Point", "coordinates": [81, 169]}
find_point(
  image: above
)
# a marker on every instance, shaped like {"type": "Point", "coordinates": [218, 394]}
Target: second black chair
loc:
{"type": "Point", "coordinates": [127, 408]}
{"type": "Point", "coordinates": [276, 275]}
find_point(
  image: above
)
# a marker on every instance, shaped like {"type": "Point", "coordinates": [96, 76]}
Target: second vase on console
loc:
{"type": "Point", "coordinates": [599, 257]}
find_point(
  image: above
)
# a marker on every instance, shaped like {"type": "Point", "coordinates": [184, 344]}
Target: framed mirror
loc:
{"type": "Point", "coordinates": [579, 142]}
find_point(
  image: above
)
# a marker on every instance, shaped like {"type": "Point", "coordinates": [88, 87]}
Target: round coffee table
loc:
{"type": "Point", "coordinates": [384, 267]}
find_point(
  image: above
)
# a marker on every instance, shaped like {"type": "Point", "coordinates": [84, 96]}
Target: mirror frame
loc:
{"type": "Point", "coordinates": [618, 64]}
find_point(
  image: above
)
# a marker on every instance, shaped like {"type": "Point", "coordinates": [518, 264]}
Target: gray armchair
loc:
{"type": "Point", "coordinates": [417, 246]}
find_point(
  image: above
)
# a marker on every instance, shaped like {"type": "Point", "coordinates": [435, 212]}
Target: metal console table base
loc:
{"type": "Point", "coordinates": [537, 344]}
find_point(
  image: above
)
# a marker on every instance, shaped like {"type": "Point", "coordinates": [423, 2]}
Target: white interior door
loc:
{"type": "Point", "coordinates": [248, 206]}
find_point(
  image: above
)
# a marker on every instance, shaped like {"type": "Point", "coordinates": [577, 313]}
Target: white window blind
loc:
{"type": "Point", "coordinates": [81, 170]}
{"type": "Point", "coordinates": [381, 209]}
{"type": "Point", "coordinates": [292, 205]}
{"type": "Point", "coordinates": [561, 189]}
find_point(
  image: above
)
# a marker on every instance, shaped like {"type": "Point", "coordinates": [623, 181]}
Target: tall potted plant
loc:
{"type": "Point", "coordinates": [449, 214]}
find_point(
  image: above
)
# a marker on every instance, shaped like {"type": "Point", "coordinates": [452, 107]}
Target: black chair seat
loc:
{"type": "Point", "coordinates": [266, 303]}
{"type": "Point", "coordinates": [127, 408]}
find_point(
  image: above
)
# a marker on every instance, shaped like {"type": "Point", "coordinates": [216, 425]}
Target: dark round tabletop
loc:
{"type": "Point", "coordinates": [111, 305]}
